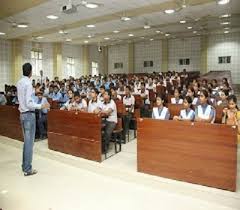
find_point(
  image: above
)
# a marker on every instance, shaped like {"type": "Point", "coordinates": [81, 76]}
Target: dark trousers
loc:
{"type": "Point", "coordinates": [126, 124]}
{"type": "Point", "coordinates": [144, 110]}
{"type": "Point", "coordinates": [108, 129]}
{"type": "Point", "coordinates": [42, 125]}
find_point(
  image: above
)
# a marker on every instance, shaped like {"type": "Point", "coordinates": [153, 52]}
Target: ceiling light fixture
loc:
{"type": "Point", "coordinates": [116, 31]}
{"type": "Point", "coordinates": [68, 40]}
{"type": "Point", "coordinates": [169, 11]}
{"type": "Point", "coordinates": [194, 32]}
{"type": "Point", "coordinates": [106, 38]}
{"type": "Point", "coordinates": [125, 18]}
{"type": "Point", "coordinates": [225, 23]}
{"type": "Point", "coordinates": [90, 26]}
{"type": "Point", "coordinates": [227, 28]}
{"type": "Point", "coordinates": [62, 32]}
{"type": "Point", "coordinates": [142, 37]}
{"type": "Point", "coordinates": [146, 26]}
{"type": "Point", "coordinates": [2, 33]}
{"type": "Point", "coordinates": [167, 34]}
{"type": "Point", "coordinates": [151, 39]}
{"type": "Point", "coordinates": [22, 25]}
{"type": "Point", "coordinates": [130, 35]}
{"type": "Point", "coordinates": [86, 41]}
{"type": "Point", "coordinates": [226, 32]}
{"type": "Point", "coordinates": [189, 27]}
{"type": "Point", "coordinates": [158, 32]}
{"type": "Point", "coordinates": [91, 5]}
{"type": "Point", "coordinates": [222, 2]}
{"type": "Point", "coordinates": [183, 21]}
{"type": "Point", "coordinates": [225, 16]}
{"type": "Point", "coordinates": [52, 17]}
{"type": "Point", "coordinates": [39, 37]}
{"type": "Point", "coordinates": [89, 36]}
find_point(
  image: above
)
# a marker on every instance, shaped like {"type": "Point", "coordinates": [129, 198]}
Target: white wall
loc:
{"type": "Point", "coordinates": [118, 54]}
{"type": "Point", "coordinates": [5, 63]}
{"type": "Point", "coordinates": [73, 51]}
{"type": "Point", "coordinates": [225, 45]}
{"type": "Point", "coordinates": [95, 56]}
{"type": "Point", "coordinates": [148, 51]}
{"type": "Point", "coordinates": [184, 48]}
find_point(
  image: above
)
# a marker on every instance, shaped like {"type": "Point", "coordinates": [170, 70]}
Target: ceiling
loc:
{"type": "Point", "coordinates": [201, 15]}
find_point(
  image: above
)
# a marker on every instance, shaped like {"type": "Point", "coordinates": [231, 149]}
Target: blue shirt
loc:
{"type": "Point", "coordinates": [56, 96]}
{"type": "Point", "coordinates": [41, 101]}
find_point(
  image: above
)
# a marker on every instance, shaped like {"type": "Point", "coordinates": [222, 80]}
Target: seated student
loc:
{"type": "Point", "coordinates": [79, 103]}
{"type": "Point", "coordinates": [68, 105]}
{"type": "Point", "coordinates": [160, 112]}
{"type": "Point", "coordinates": [56, 96]}
{"type": "Point", "coordinates": [190, 92]}
{"type": "Point", "coordinates": [129, 102]}
{"type": "Point", "coordinates": [114, 94]}
{"type": "Point", "coordinates": [109, 110]}
{"type": "Point", "coordinates": [3, 99]}
{"type": "Point", "coordinates": [186, 114]}
{"type": "Point", "coordinates": [223, 98]}
{"type": "Point", "coordinates": [176, 99]}
{"type": "Point", "coordinates": [215, 88]}
{"type": "Point", "coordinates": [144, 93]}
{"type": "Point", "coordinates": [41, 115]}
{"type": "Point", "coordinates": [101, 93]}
{"type": "Point", "coordinates": [231, 114]}
{"type": "Point", "coordinates": [94, 104]}
{"type": "Point", "coordinates": [204, 112]}
{"type": "Point", "coordinates": [64, 98]}
{"type": "Point", "coordinates": [121, 88]}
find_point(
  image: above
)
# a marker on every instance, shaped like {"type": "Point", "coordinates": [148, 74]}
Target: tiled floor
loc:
{"type": "Point", "coordinates": [65, 182]}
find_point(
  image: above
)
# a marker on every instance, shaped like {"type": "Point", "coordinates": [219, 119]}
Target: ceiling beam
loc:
{"type": "Point", "coordinates": [12, 7]}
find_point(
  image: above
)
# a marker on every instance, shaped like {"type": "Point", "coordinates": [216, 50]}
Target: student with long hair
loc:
{"type": "Point", "coordinates": [160, 112]}
{"type": "Point", "coordinates": [204, 112]}
{"type": "Point", "coordinates": [187, 113]}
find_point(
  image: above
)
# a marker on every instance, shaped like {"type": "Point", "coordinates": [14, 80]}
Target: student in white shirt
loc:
{"type": "Point", "coordinates": [114, 94]}
{"type": "Point", "coordinates": [204, 112]}
{"type": "Point", "coordinates": [109, 110]}
{"type": "Point", "coordinates": [144, 93]}
{"type": "Point", "coordinates": [69, 104]}
{"type": "Point", "coordinates": [101, 92]}
{"type": "Point", "coordinates": [129, 102]}
{"type": "Point", "coordinates": [176, 99]}
{"type": "Point", "coordinates": [223, 98]}
{"type": "Point", "coordinates": [186, 114]}
{"type": "Point", "coordinates": [160, 112]}
{"type": "Point", "coordinates": [94, 104]}
{"type": "Point", "coordinates": [190, 92]}
{"type": "Point", "coordinates": [79, 103]}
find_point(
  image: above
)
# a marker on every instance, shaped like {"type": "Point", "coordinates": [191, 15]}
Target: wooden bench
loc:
{"type": "Point", "coordinates": [200, 153]}
{"type": "Point", "coordinates": [75, 133]}
{"type": "Point", "coordinates": [10, 125]}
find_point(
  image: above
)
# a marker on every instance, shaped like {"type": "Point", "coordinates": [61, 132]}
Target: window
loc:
{"type": "Point", "coordinates": [95, 68]}
{"type": "Point", "coordinates": [184, 61]}
{"type": "Point", "coordinates": [118, 65]}
{"type": "Point", "coordinates": [148, 64]}
{"type": "Point", "coordinates": [36, 60]}
{"type": "Point", "coordinates": [70, 67]}
{"type": "Point", "coordinates": [224, 59]}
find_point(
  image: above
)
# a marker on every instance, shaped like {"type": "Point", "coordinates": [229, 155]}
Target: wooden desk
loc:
{"type": "Point", "coordinates": [76, 134]}
{"type": "Point", "coordinates": [204, 154]}
{"type": "Point", "coordinates": [10, 125]}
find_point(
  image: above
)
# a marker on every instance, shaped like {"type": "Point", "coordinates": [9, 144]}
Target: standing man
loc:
{"type": "Point", "coordinates": [27, 108]}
